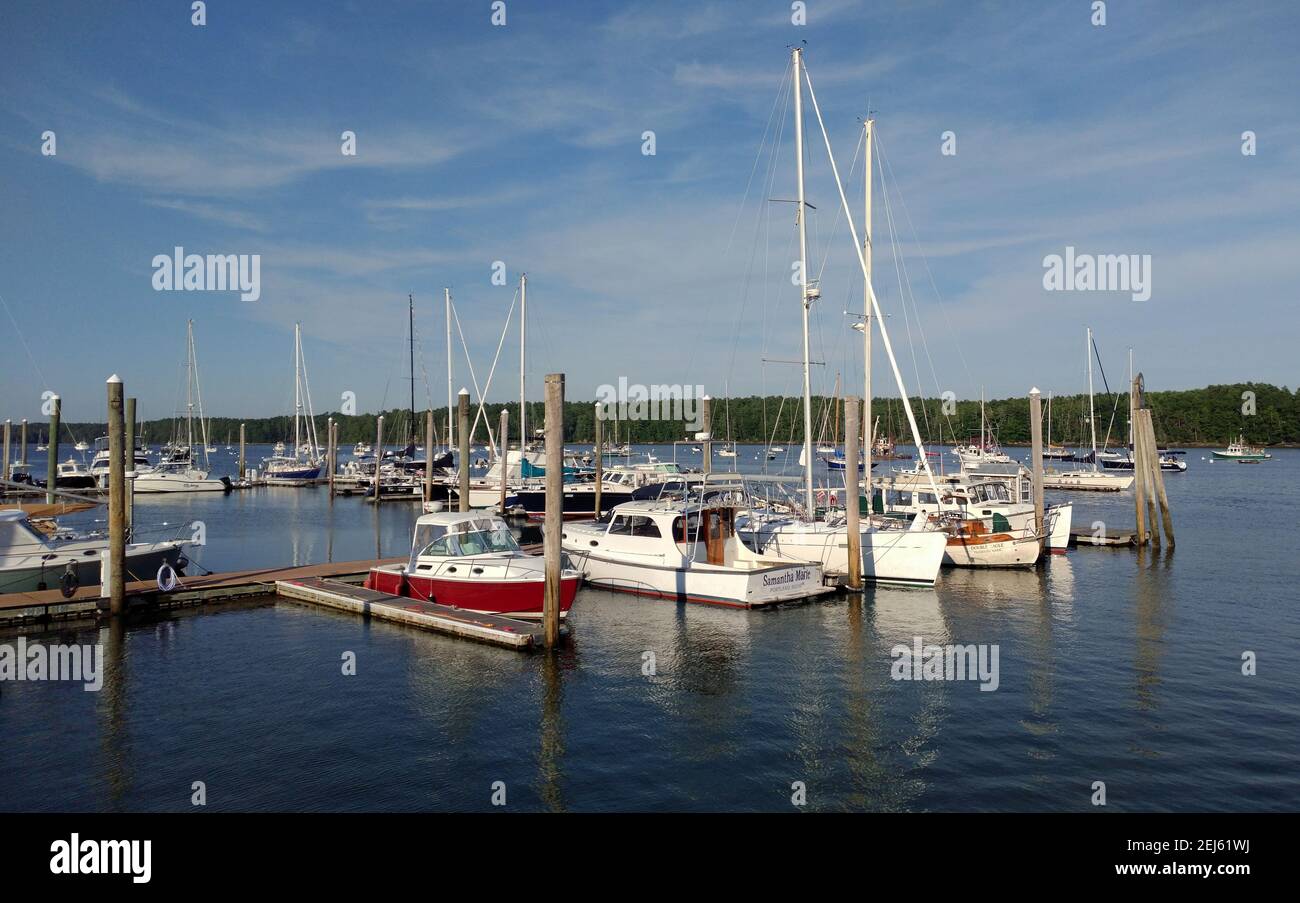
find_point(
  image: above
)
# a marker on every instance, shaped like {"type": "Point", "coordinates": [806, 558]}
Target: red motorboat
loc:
{"type": "Point", "coordinates": [471, 560]}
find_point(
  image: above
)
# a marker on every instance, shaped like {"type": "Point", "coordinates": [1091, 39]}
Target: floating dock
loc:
{"type": "Point", "coordinates": [50, 605]}
{"type": "Point", "coordinates": [1123, 538]}
{"type": "Point", "coordinates": [371, 603]}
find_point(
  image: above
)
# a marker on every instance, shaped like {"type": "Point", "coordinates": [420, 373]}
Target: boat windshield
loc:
{"type": "Point", "coordinates": [479, 536]}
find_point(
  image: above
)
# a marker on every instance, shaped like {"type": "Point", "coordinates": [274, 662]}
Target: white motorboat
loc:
{"type": "Point", "coordinates": [687, 552]}
{"type": "Point", "coordinates": [32, 560]}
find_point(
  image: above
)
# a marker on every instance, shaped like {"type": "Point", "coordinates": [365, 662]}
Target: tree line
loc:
{"type": "Point", "coordinates": [1214, 415]}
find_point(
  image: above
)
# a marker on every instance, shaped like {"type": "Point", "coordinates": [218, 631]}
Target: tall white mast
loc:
{"type": "Point", "coordinates": [523, 326]}
{"type": "Point", "coordinates": [451, 440]}
{"type": "Point", "coordinates": [297, 386]}
{"type": "Point", "coordinates": [797, 61]}
{"type": "Point", "coordinates": [1092, 417]}
{"type": "Point", "coordinates": [868, 433]}
{"type": "Point", "coordinates": [189, 389]}
{"type": "Point", "coordinates": [875, 302]}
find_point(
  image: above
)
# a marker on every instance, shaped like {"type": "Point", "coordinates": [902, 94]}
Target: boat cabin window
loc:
{"type": "Point", "coordinates": [687, 529]}
{"type": "Point", "coordinates": [926, 498]}
{"type": "Point", "coordinates": [901, 497]}
{"type": "Point", "coordinates": [633, 525]}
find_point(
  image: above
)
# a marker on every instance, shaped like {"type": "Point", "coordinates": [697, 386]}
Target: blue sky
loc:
{"type": "Point", "coordinates": [523, 144]}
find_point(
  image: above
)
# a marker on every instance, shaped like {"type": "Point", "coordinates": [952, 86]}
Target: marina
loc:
{"type": "Point", "coordinates": [644, 408]}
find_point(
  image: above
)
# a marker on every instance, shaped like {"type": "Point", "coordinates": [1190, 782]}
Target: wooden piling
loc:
{"type": "Point", "coordinates": [706, 409]}
{"type": "Point", "coordinates": [600, 459]}
{"type": "Point", "coordinates": [1158, 477]}
{"type": "Point", "coordinates": [22, 446]}
{"type": "Point", "coordinates": [379, 461]}
{"type": "Point", "coordinates": [241, 451]}
{"type": "Point", "coordinates": [130, 466]}
{"type": "Point", "coordinates": [428, 455]}
{"type": "Point", "coordinates": [332, 443]}
{"type": "Point", "coordinates": [851, 490]}
{"type": "Point", "coordinates": [1036, 459]}
{"type": "Point", "coordinates": [4, 463]}
{"type": "Point", "coordinates": [116, 498]}
{"type": "Point", "coordinates": [52, 451]}
{"type": "Point", "coordinates": [503, 433]}
{"type": "Point", "coordinates": [462, 417]}
{"type": "Point", "coordinates": [1139, 476]}
{"type": "Point", "coordinates": [554, 506]}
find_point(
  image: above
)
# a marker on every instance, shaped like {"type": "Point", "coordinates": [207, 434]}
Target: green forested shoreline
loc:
{"type": "Point", "coordinates": [1210, 416]}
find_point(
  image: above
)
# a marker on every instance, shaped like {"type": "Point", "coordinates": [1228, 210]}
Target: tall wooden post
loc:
{"type": "Point", "coordinates": [1036, 459]}
{"type": "Point", "coordinates": [241, 451]}
{"type": "Point", "coordinates": [52, 452]}
{"type": "Point", "coordinates": [22, 446]}
{"type": "Point", "coordinates": [1157, 477]}
{"type": "Point", "coordinates": [4, 465]}
{"type": "Point", "coordinates": [554, 506]}
{"type": "Point", "coordinates": [1139, 475]}
{"type": "Point", "coordinates": [851, 491]}
{"type": "Point", "coordinates": [332, 462]}
{"type": "Point", "coordinates": [462, 425]}
{"type": "Point", "coordinates": [379, 461]}
{"type": "Point", "coordinates": [116, 498]}
{"type": "Point", "coordinates": [428, 455]}
{"type": "Point", "coordinates": [503, 433]}
{"type": "Point", "coordinates": [706, 409]}
{"type": "Point", "coordinates": [600, 458]}
{"type": "Point", "coordinates": [130, 466]}
{"type": "Point", "coordinates": [1152, 474]}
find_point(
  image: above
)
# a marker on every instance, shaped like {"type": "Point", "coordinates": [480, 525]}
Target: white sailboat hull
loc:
{"type": "Point", "coordinates": [1087, 481]}
{"type": "Point", "coordinates": [910, 557]}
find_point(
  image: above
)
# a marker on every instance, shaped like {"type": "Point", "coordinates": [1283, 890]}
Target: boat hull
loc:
{"type": "Point", "coordinates": [903, 557]}
{"type": "Point", "coordinates": [704, 584]}
{"type": "Point", "coordinates": [513, 598]}
{"type": "Point", "coordinates": [142, 563]}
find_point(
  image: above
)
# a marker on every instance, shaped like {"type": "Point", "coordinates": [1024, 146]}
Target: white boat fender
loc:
{"type": "Point", "coordinates": [166, 578]}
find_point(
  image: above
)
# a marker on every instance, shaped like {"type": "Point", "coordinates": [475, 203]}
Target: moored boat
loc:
{"type": "Point", "coordinates": [685, 551]}
{"type": "Point", "coordinates": [1240, 451]}
{"type": "Point", "coordinates": [471, 560]}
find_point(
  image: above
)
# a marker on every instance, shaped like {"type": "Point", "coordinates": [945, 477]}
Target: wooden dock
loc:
{"type": "Point", "coordinates": [371, 603]}
{"type": "Point", "coordinates": [48, 605]}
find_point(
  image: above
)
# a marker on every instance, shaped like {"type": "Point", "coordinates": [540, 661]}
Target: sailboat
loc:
{"type": "Point", "coordinates": [1054, 452]}
{"type": "Point", "coordinates": [890, 553]}
{"type": "Point", "coordinates": [305, 463]}
{"type": "Point", "coordinates": [1094, 480]}
{"type": "Point", "coordinates": [178, 471]}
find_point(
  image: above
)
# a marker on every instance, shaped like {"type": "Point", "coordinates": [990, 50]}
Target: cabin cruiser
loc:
{"type": "Point", "coordinates": [34, 559]}
{"type": "Point", "coordinates": [71, 474]}
{"type": "Point", "coordinates": [178, 476]}
{"type": "Point", "coordinates": [618, 485]}
{"type": "Point", "coordinates": [688, 551]}
{"type": "Point", "coordinates": [983, 491]}
{"type": "Point", "coordinates": [986, 527]}
{"type": "Point", "coordinates": [99, 464]}
{"type": "Point", "coordinates": [471, 560]}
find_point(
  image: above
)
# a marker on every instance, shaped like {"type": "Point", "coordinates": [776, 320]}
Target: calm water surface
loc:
{"type": "Point", "coordinates": [1114, 666]}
